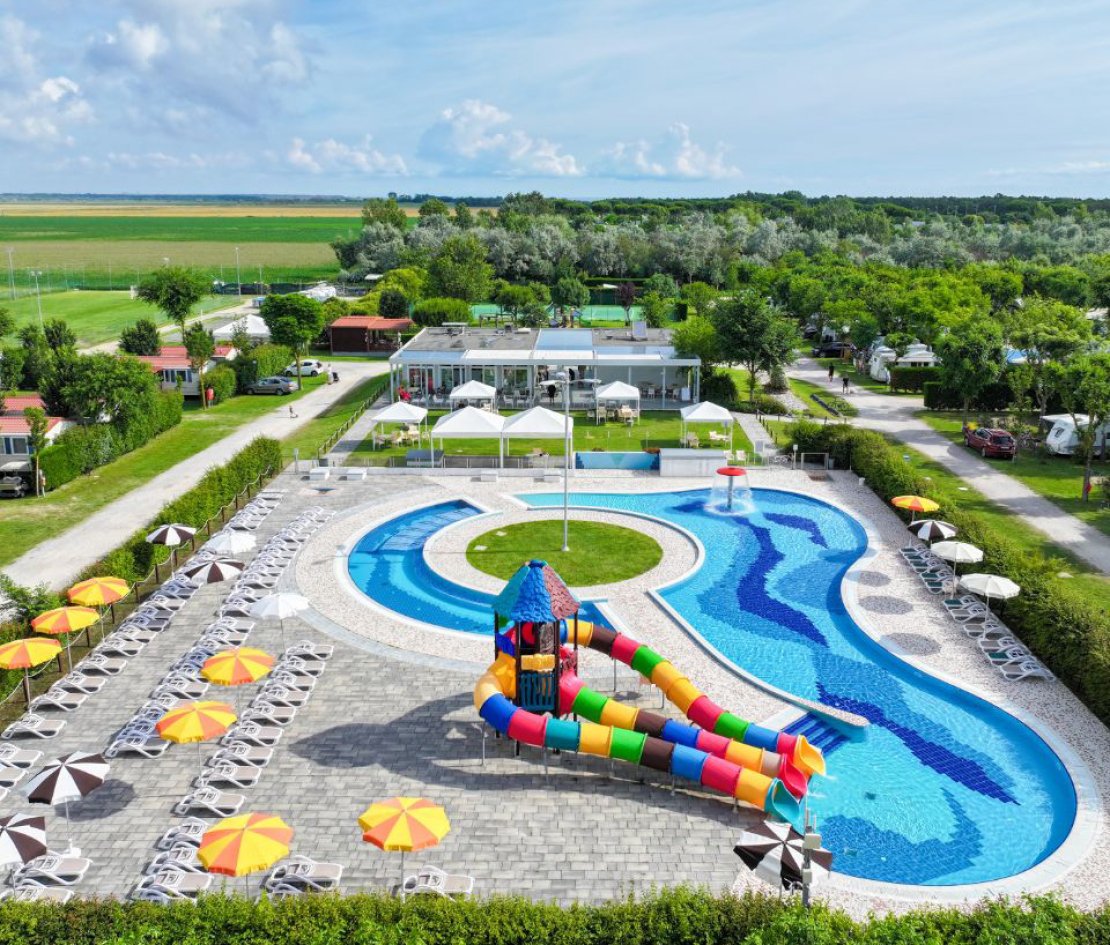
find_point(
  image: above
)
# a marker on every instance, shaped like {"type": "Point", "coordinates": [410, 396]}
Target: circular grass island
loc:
{"type": "Point", "coordinates": [599, 553]}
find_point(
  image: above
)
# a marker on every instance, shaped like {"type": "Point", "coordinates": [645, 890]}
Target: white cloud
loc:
{"type": "Point", "coordinates": [336, 157]}
{"type": "Point", "coordinates": [473, 138]}
{"type": "Point", "coordinates": [675, 156]}
{"type": "Point", "coordinates": [16, 39]}
{"type": "Point", "coordinates": [132, 45]}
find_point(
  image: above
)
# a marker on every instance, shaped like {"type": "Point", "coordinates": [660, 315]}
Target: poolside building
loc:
{"type": "Point", "coordinates": [521, 363]}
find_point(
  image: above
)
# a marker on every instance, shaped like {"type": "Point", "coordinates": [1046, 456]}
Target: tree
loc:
{"type": "Point", "coordinates": [36, 356]}
{"type": "Point", "coordinates": [626, 298]}
{"type": "Point", "coordinates": [174, 290]}
{"type": "Point", "coordinates": [142, 338]}
{"type": "Point", "coordinates": [240, 340]}
{"type": "Point", "coordinates": [464, 219]}
{"type": "Point", "coordinates": [460, 271]}
{"type": "Point", "coordinates": [755, 335]}
{"type": "Point", "coordinates": [59, 336]}
{"type": "Point", "coordinates": [697, 338]}
{"type": "Point", "coordinates": [514, 300]}
{"type": "Point", "coordinates": [7, 322]}
{"type": "Point", "coordinates": [570, 292]}
{"type": "Point", "coordinates": [434, 207]}
{"type": "Point", "coordinates": [898, 342]}
{"type": "Point", "coordinates": [101, 387]}
{"type": "Point", "coordinates": [294, 321]}
{"type": "Point", "coordinates": [388, 212]}
{"type": "Point", "coordinates": [1048, 332]}
{"type": "Point", "coordinates": [393, 304]}
{"type": "Point", "coordinates": [200, 347]}
{"type": "Point", "coordinates": [410, 281]}
{"type": "Point", "coordinates": [971, 358]}
{"type": "Point", "coordinates": [654, 309]}
{"type": "Point", "coordinates": [663, 284]}
{"type": "Point", "coordinates": [699, 296]}
{"type": "Point", "coordinates": [1084, 387]}
{"type": "Point", "coordinates": [37, 427]}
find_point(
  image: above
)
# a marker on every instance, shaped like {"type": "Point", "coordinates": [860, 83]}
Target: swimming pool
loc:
{"type": "Point", "coordinates": [605, 459]}
{"type": "Point", "coordinates": [944, 788]}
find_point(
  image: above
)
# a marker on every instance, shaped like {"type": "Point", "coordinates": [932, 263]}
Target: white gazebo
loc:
{"type": "Point", "coordinates": [617, 391]}
{"type": "Point", "coordinates": [706, 412]}
{"type": "Point", "coordinates": [471, 391]}
{"type": "Point", "coordinates": [539, 423]}
{"type": "Point", "coordinates": [400, 412]}
{"type": "Point", "coordinates": [254, 325]}
{"type": "Point", "coordinates": [470, 423]}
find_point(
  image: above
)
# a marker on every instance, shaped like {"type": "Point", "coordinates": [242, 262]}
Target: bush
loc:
{"type": "Point", "coordinates": [912, 379]}
{"type": "Point", "coordinates": [720, 388]}
{"type": "Point", "coordinates": [1070, 635]}
{"type": "Point", "coordinates": [763, 403]}
{"type": "Point", "coordinates": [142, 338]}
{"type": "Point", "coordinates": [993, 398]}
{"type": "Point", "coordinates": [223, 383]}
{"type": "Point", "coordinates": [393, 304]}
{"type": "Point", "coordinates": [776, 383]}
{"type": "Point", "coordinates": [432, 312]}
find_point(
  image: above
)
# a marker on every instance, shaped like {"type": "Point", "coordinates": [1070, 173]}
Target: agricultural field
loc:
{"type": "Point", "coordinates": [97, 317]}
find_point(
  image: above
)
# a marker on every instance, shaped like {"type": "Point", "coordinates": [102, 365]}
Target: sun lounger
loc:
{"type": "Point", "coordinates": [266, 712]}
{"type": "Point", "coordinates": [10, 775]}
{"type": "Point", "coordinates": [240, 776]}
{"type": "Point", "coordinates": [279, 695]}
{"type": "Point", "coordinates": [149, 746]}
{"type": "Point", "coordinates": [253, 733]}
{"type": "Point", "coordinates": [55, 698]}
{"type": "Point", "coordinates": [300, 873]}
{"type": "Point", "coordinates": [18, 757]}
{"type": "Point", "coordinates": [1025, 669]}
{"type": "Point", "coordinates": [79, 682]}
{"type": "Point", "coordinates": [218, 803]}
{"type": "Point", "coordinates": [430, 880]}
{"type": "Point", "coordinates": [53, 869]}
{"type": "Point", "coordinates": [302, 682]}
{"type": "Point", "coordinates": [307, 650]}
{"type": "Point", "coordinates": [37, 725]}
{"type": "Point", "coordinates": [181, 858]}
{"type": "Point", "coordinates": [181, 687]}
{"type": "Point", "coordinates": [58, 895]}
{"type": "Point", "coordinates": [298, 664]}
{"type": "Point", "coordinates": [189, 831]}
{"type": "Point", "coordinates": [1013, 654]}
{"type": "Point", "coordinates": [98, 663]}
{"type": "Point", "coordinates": [117, 645]}
{"type": "Point", "coordinates": [171, 886]}
{"type": "Point", "coordinates": [999, 644]}
{"type": "Point", "coordinates": [242, 754]}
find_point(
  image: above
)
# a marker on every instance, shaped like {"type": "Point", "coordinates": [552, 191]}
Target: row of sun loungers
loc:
{"type": "Point", "coordinates": [1013, 660]}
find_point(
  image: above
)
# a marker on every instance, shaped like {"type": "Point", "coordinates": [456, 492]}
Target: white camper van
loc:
{"type": "Point", "coordinates": [1063, 439]}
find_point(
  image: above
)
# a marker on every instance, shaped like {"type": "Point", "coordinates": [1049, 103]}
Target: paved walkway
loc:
{"type": "Point", "coordinates": [896, 417]}
{"type": "Point", "coordinates": [358, 432]}
{"type": "Point", "coordinates": [57, 561]}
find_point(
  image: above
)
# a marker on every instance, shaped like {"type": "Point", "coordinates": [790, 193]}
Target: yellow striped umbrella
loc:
{"type": "Point", "coordinates": [405, 824]}
{"type": "Point", "coordinates": [28, 652]}
{"type": "Point", "coordinates": [65, 620]}
{"type": "Point", "coordinates": [915, 504]}
{"type": "Point", "coordinates": [245, 843]}
{"type": "Point", "coordinates": [99, 591]}
{"type": "Point", "coordinates": [237, 666]}
{"type": "Point", "coordinates": [195, 722]}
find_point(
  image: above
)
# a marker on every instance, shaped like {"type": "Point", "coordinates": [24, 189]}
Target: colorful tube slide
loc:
{"type": "Point", "coordinates": [766, 769]}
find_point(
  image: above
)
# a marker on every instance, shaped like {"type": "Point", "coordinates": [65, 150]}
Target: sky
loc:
{"type": "Point", "coordinates": [579, 98]}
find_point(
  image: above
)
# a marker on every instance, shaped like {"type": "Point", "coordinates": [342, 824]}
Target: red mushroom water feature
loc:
{"type": "Point", "coordinates": [731, 473]}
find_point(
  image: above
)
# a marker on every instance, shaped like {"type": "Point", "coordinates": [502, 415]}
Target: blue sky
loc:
{"type": "Point", "coordinates": [574, 97]}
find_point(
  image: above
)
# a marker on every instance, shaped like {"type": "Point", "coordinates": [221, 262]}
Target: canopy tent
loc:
{"type": "Point", "coordinates": [618, 390]}
{"type": "Point", "coordinates": [256, 329]}
{"type": "Point", "coordinates": [706, 412]}
{"type": "Point", "coordinates": [400, 412]}
{"type": "Point", "coordinates": [539, 423]}
{"type": "Point", "coordinates": [472, 390]}
{"type": "Point", "coordinates": [470, 423]}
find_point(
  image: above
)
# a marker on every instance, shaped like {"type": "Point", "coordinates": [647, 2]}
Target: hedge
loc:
{"type": "Point", "coordinates": [223, 383]}
{"type": "Point", "coordinates": [84, 448]}
{"type": "Point", "coordinates": [261, 361]}
{"type": "Point", "coordinates": [993, 398]}
{"type": "Point", "coordinates": [432, 312]}
{"type": "Point", "coordinates": [1069, 634]}
{"type": "Point", "coordinates": [218, 487]}
{"type": "Point", "coordinates": [678, 916]}
{"type": "Point", "coordinates": [912, 379]}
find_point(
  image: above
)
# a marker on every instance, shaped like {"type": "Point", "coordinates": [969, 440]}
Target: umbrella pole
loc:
{"type": "Point", "coordinates": [402, 876]}
{"type": "Point", "coordinates": [69, 826]}
{"type": "Point", "coordinates": [27, 687]}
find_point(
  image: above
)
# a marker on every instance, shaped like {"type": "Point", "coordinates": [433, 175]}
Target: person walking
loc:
{"type": "Point", "coordinates": [832, 372]}
{"type": "Point", "coordinates": [844, 388]}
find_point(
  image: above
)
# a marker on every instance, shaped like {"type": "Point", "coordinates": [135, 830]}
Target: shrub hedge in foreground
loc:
{"type": "Point", "coordinates": [1053, 618]}
{"type": "Point", "coordinates": [672, 917]}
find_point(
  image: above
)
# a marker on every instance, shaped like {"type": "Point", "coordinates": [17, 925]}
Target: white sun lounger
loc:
{"type": "Point", "coordinates": [1025, 669]}
{"type": "Point", "coordinates": [182, 857]}
{"type": "Point", "coordinates": [219, 803]}
{"type": "Point", "coordinates": [253, 733]}
{"type": "Point", "coordinates": [189, 831]}
{"type": "Point", "coordinates": [79, 682]}
{"type": "Point", "coordinates": [10, 776]}
{"type": "Point", "coordinates": [53, 869]}
{"type": "Point", "coordinates": [97, 663]}
{"type": "Point", "coordinates": [37, 725]}
{"type": "Point", "coordinates": [240, 776]}
{"type": "Point", "coordinates": [307, 650]}
{"type": "Point", "coordinates": [18, 757]}
{"type": "Point", "coordinates": [241, 753]}
{"type": "Point", "coordinates": [149, 746]}
{"type": "Point", "coordinates": [171, 886]}
{"type": "Point", "coordinates": [266, 712]}
{"type": "Point", "coordinates": [429, 879]}
{"type": "Point", "coordinates": [58, 895]}
{"type": "Point", "coordinates": [300, 874]}
{"type": "Point", "coordinates": [282, 696]}
{"type": "Point", "coordinates": [55, 698]}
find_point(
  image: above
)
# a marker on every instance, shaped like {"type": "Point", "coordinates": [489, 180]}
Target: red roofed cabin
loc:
{"type": "Point", "coordinates": [171, 365]}
{"type": "Point", "coordinates": [15, 441]}
{"type": "Point", "coordinates": [364, 334]}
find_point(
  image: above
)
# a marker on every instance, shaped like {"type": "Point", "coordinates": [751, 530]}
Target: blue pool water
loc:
{"type": "Point", "coordinates": [613, 460]}
{"type": "Point", "coordinates": [388, 566]}
{"type": "Point", "coordinates": [943, 789]}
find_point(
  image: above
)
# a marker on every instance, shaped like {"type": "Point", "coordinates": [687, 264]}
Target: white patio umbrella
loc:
{"type": "Point", "coordinates": [212, 572]}
{"type": "Point", "coordinates": [470, 423]}
{"type": "Point", "coordinates": [231, 542]}
{"type": "Point", "coordinates": [931, 529]}
{"type": "Point", "coordinates": [401, 412]}
{"type": "Point", "coordinates": [22, 838]}
{"type": "Point", "coordinates": [171, 536]}
{"type": "Point", "coordinates": [279, 607]}
{"type": "Point", "coordinates": [990, 586]}
{"type": "Point", "coordinates": [706, 412]}
{"type": "Point", "coordinates": [958, 552]}
{"type": "Point", "coordinates": [66, 779]}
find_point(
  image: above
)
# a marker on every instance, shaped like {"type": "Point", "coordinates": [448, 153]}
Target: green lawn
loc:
{"type": "Point", "coordinates": [309, 437]}
{"type": "Point", "coordinates": [803, 390]}
{"type": "Point", "coordinates": [199, 228]}
{"type": "Point", "coordinates": [26, 522]}
{"type": "Point", "coordinates": [599, 553]}
{"type": "Point", "coordinates": [96, 317]}
{"type": "Point", "coordinates": [656, 428]}
{"type": "Point", "coordinates": [1057, 478]}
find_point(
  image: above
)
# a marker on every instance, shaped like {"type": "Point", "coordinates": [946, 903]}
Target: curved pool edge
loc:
{"type": "Point", "coordinates": [1081, 837]}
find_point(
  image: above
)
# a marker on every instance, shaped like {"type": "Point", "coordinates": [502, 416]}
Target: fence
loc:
{"type": "Point", "coordinates": [329, 444]}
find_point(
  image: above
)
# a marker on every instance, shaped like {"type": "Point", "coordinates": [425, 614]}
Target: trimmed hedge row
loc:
{"type": "Point", "coordinates": [219, 486]}
{"type": "Point", "coordinates": [84, 448]}
{"type": "Point", "coordinates": [993, 397]}
{"type": "Point", "coordinates": [1070, 635]}
{"type": "Point", "coordinates": [672, 917]}
{"type": "Point", "coordinates": [912, 379]}
{"type": "Point", "coordinates": [261, 361]}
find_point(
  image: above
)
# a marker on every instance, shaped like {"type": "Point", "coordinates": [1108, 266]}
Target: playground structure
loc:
{"type": "Point", "coordinates": [533, 682]}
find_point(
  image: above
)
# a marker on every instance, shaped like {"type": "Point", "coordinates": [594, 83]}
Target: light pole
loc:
{"type": "Point", "coordinates": [11, 273]}
{"type": "Point", "coordinates": [38, 295]}
{"type": "Point", "coordinates": [564, 381]}
{"type": "Point", "coordinates": [261, 288]}
{"type": "Point", "coordinates": [238, 277]}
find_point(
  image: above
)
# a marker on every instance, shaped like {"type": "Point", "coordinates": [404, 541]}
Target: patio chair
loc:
{"type": "Point", "coordinates": [242, 754]}
{"type": "Point", "coordinates": [58, 895]}
{"type": "Point", "coordinates": [182, 857]}
{"type": "Point", "coordinates": [266, 712]}
{"type": "Point", "coordinates": [148, 746]}
{"type": "Point", "coordinates": [37, 725]}
{"type": "Point", "coordinates": [18, 757]}
{"type": "Point", "coordinates": [430, 880]}
{"type": "Point", "coordinates": [171, 886]}
{"type": "Point", "coordinates": [55, 698]}
{"type": "Point", "coordinates": [252, 733]}
{"type": "Point", "coordinates": [53, 869]}
{"type": "Point", "coordinates": [1025, 669]}
{"type": "Point", "coordinates": [99, 663]}
{"type": "Point", "coordinates": [301, 873]}
{"type": "Point", "coordinates": [79, 682]}
{"type": "Point", "coordinates": [188, 832]}
{"type": "Point", "coordinates": [240, 776]}
{"type": "Point", "coordinates": [218, 803]}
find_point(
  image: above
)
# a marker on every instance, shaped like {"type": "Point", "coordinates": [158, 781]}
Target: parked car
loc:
{"type": "Point", "coordinates": [991, 443]}
{"type": "Point", "coordinates": [309, 367]}
{"type": "Point", "coordinates": [272, 385]}
{"type": "Point", "coordinates": [833, 349]}
{"type": "Point", "coordinates": [12, 487]}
